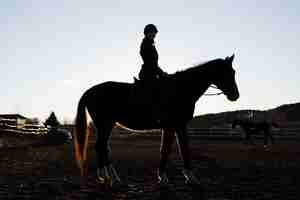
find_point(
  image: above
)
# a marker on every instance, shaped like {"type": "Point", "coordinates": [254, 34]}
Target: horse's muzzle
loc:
{"type": "Point", "coordinates": [233, 97]}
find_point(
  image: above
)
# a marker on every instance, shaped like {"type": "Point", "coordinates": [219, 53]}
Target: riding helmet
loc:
{"type": "Point", "coordinates": [150, 27]}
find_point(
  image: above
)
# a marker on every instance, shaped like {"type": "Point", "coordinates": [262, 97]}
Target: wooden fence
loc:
{"type": "Point", "coordinates": [276, 132]}
{"type": "Point", "coordinates": [220, 132]}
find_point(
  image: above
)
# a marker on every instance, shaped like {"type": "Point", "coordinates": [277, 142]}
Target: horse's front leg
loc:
{"type": "Point", "coordinates": [167, 139]}
{"type": "Point", "coordinates": [183, 143]}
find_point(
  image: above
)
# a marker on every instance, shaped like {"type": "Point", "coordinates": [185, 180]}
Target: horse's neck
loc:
{"type": "Point", "coordinates": [199, 81]}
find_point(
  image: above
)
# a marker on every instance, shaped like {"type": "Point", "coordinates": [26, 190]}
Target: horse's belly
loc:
{"type": "Point", "coordinates": [138, 124]}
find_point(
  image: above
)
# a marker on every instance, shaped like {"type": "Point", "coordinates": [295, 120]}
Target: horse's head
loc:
{"type": "Point", "coordinates": [224, 79]}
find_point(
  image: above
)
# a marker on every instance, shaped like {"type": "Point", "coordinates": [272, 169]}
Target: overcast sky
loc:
{"type": "Point", "coordinates": [52, 51]}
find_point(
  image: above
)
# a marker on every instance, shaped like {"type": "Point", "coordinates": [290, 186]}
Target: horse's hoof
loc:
{"type": "Point", "coordinates": [118, 184]}
{"type": "Point", "coordinates": [104, 181]}
{"type": "Point", "coordinates": [267, 148]}
{"type": "Point", "coordinates": [163, 183]}
{"type": "Point", "coordinates": [114, 176]}
{"type": "Point", "coordinates": [190, 178]}
{"type": "Point", "coordinates": [108, 176]}
{"type": "Point", "coordinates": [100, 180]}
{"type": "Point", "coordinates": [163, 180]}
{"type": "Point", "coordinates": [192, 182]}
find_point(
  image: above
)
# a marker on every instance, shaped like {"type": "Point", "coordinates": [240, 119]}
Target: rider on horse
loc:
{"type": "Point", "coordinates": [150, 70]}
{"type": "Point", "coordinates": [150, 73]}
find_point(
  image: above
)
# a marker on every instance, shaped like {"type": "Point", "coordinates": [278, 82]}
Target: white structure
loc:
{"type": "Point", "coordinates": [12, 120]}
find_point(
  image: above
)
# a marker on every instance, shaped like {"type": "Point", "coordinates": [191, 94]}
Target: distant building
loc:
{"type": "Point", "coordinates": [13, 120]}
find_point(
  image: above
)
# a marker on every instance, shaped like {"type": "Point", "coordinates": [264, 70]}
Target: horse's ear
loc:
{"type": "Point", "coordinates": [229, 59]}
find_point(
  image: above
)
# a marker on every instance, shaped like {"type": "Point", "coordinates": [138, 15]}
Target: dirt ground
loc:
{"type": "Point", "coordinates": [226, 169]}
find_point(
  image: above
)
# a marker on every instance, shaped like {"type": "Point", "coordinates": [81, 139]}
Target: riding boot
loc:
{"type": "Point", "coordinates": [139, 87]}
{"type": "Point", "coordinates": [156, 111]}
{"type": "Point", "coordinates": [138, 97]}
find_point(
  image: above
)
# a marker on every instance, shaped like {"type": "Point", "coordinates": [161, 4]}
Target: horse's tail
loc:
{"type": "Point", "coordinates": [81, 134]}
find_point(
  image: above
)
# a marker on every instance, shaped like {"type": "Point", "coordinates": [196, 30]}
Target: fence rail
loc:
{"type": "Point", "coordinates": [238, 131]}
{"type": "Point", "coordinates": [222, 132]}
{"type": "Point", "coordinates": [25, 131]}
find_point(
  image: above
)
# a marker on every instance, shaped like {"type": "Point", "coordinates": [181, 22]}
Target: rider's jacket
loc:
{"type": "Point", "coordinates": [149, 54]}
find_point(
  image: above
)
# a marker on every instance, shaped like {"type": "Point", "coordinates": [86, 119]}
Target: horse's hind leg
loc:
{"type": "Point", "coordinates": [102, 144]}
{"type": "Point", "coordinates": [106, 172]}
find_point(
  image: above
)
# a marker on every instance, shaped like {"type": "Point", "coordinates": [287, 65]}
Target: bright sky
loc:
{"type": "Point", "coordinates": [52, 51]}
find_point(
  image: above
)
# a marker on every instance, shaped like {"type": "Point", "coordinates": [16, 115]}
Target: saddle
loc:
{"type": "Point", "coordinates": [144, 89]}
{"type": "Point", "coordinates": [146, 96]}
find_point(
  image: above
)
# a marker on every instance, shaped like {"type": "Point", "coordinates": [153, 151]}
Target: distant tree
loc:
{"type": "Point", "coordinates": [52, 120]}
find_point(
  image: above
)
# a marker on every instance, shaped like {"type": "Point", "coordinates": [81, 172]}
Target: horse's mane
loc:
{"type": "Point", "coordinates": [202, 65]}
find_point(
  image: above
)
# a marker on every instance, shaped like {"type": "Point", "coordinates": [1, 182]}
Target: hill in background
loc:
{"type": "Point", "coordinates": [287, 115]}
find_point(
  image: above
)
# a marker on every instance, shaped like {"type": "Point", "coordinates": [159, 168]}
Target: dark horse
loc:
{"type": "Point", "coordinates": [113, 102]}
{"type": "Point", "coordinates": [251, 127]}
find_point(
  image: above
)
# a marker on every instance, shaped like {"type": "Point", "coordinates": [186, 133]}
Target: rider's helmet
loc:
{"type": "Point", "coordinates": [149, 28]}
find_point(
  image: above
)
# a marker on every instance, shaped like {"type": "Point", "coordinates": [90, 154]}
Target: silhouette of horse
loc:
{"type": "Point", "coordinates": [251, 127]}
{"type": "Point", "coordinates": [109, 103]}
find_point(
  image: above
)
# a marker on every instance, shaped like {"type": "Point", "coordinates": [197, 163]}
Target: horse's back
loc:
{"type": "Point", "coordinates": [107, 95]}
{"type": "Point", "coordinates": [109, 88]}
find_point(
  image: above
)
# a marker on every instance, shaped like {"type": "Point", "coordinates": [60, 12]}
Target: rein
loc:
{"type": "Point", "coordinates": [213, 94]}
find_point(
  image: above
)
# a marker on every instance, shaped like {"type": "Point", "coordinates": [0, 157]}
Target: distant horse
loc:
{"type": "Point", "coordinates": [252, 127]}
{"type": "Point", "coordinates": [113, 102]}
